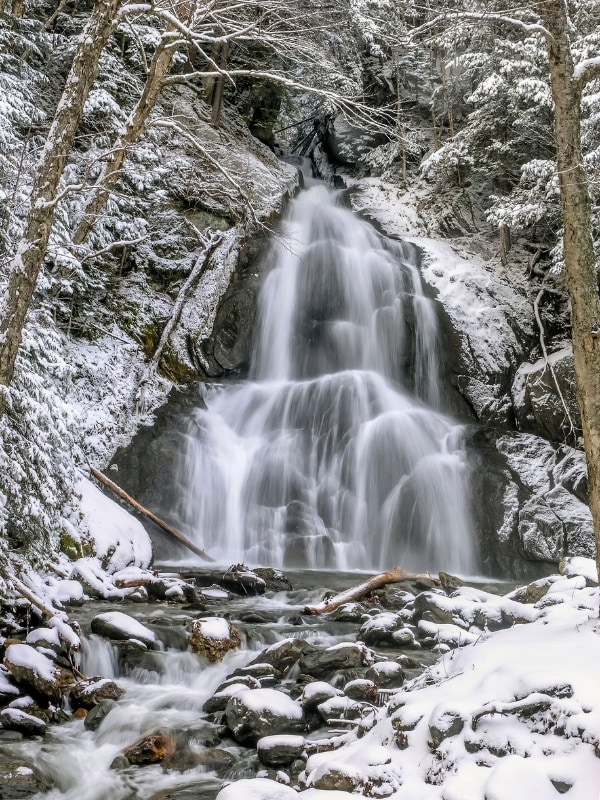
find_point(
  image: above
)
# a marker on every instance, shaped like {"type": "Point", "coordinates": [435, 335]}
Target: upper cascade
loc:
{"type": "Point", "coordinates": [334, 454]}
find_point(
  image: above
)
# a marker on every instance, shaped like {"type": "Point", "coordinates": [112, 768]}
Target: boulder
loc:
{"type": "Point", "coordinates": [119, 626]}
{"type": "Point", "coordinates": [97, 714]}
{"type": "Point", "coordinates": [214, 637]}
{"type": "Point", "coordinates": [280, 751]}
{"type": "Point", "coordinates": [150, 749]}
{"type": "Point", "coordinates": [91, 692]}
{"type": "Point", "coordinates": [386, 674]}
{"type": "Point", "coordinates": [282, 655]}
{"type": "Point", "coordinates": [378, 631]}
{"type": "Point", "coordinates": [14, 719]}
{"type": "Point", "coordinates": [36, 671]}
{"type": "Point", "coordinates": [319, 663]}
{"type": "Point", "coordinates": [254, 713]}
{"type": "Point", "coordinates": [316, 693]}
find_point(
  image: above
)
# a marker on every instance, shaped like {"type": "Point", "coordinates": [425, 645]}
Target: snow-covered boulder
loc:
{"type": "Point", "coordinates": [280, 751]}
{"type": "Point", "coordinates": [15, 719]}
{"type": "Point", "coordinates": [214, 637]}
{"type": "Point", "coordinates": [119, 626]}
{"type": "Point", "coordinates": [255, 713]}
{"type": "Point", "coordinates": [35, 670]}
{"type": "Point", "coordinates": [108, 532]}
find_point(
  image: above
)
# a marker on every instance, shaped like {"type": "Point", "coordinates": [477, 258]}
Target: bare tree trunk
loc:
{"type": "Point", "coordinates": [579, 256]}
{"type": "Point", "coordinates": [134, 127]}
{"type": "Point", "coordinates": [31, 250]}
{"type": "Point", "coordinates": [217, 99]}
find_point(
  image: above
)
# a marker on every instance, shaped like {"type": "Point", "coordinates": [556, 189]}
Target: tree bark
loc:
{"type": "Point", "coordinates": [150, 515]}
{"type": "Point", "coordinates": [579, 256]}
{"type": "Point", "coordinates": [134, 127]}
{"type": "Point", "coordinates": [27, 262]}
{"type": "Point", "coordinates": [376, 582]}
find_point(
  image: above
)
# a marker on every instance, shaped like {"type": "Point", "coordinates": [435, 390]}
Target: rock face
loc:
{"type": "Point", "coordinates": [529, 501]}
{"type": "Point", "coordinates": [544, 398]}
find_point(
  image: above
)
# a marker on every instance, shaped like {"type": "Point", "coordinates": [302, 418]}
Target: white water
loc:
{"type": "Point", "coordinates": [334, 454]}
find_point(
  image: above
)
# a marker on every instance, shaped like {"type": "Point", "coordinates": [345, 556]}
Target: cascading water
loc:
{"type": "Point", "coordinates": [332, 455]}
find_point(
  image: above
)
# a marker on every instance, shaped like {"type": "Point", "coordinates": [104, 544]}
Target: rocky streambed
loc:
{"type": "Point", "coordinates": [173, 697]}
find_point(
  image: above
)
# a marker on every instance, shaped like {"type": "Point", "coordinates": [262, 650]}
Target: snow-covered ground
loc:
{"type": "Point", "coordinates": [514, 715]}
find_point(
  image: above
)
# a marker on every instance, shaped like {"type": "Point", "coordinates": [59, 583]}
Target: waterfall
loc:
{"type": "Point", "coordinates": [335, 453]}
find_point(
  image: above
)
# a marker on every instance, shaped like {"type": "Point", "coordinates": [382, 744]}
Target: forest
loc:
{"type": "Point", "coordinates": [299, 399]}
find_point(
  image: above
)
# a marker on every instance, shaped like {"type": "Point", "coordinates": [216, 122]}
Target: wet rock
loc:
{"type": "Point", "coordinates": [91, 692]}
{"type": "Point", "coordinates": [150, 749]}
{"type": "Point", "coordinates": [319, 663]}
{"type": "Point", "coordinates": [97, 714]}
{"type": "Point", "coordinates": [263, 672]}
{"type": "Point", "coordinates": [349, 612]}
{"type": "Point", "coordinates": [386, 674]}
{"type": "Point", "coordinates": [280, 751]}
{"type": "Point", "coordinates": [316, 693]}
{"type": "Point", "coordinates": [33, 669]}
{"type": "Point", "coordinates": [18, 780]}
{"type": "Point", "coordinates": [282, 655]}
{"type": "Point", "coordinates": [15, 719]}
{"type": "Point", "coordinates": [216, 759]}
{"type": "Point", "coordinates": [239, 579]}
{"type": "Point", "coordinates": [214, 637]}
{"type": "Point", "coordinates": [275, 580]}
{"type": "Point", "coordinates": [450, 582]}
{"type": "Point", "coordinates": [337, 708]}
{"type": "Point", "coordinates": [119, 626]}
{"type": "Point", "coordinates": [181, 761]}
{"type": "Point", "coordinates": [362, 690]}
{"type": "Point", "coordinates": [378, 631]}
{"type": "Point", "coordinates": [334, 779]}
{"type": "Point", "coordinates": [438, 604]}
{"type": "Point", "coordinates": [255, 713]}
{"type": "Point", "coordinates": [218, 702]}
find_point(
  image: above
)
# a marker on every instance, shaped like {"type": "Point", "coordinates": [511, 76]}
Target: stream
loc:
{"type": "Point", "coordinates": [335, 455]}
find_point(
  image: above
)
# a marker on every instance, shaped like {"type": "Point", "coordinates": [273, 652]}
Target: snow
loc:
{"type": "Point", "coordinates": [213, 628]}
{"type": "Point", "coordinates": [280, 740]}
{"type": "Point", "coordinates": [22, 655]}
{"type": "Point", "coordinates": [117, 537]}
{"type": "Point", "coordinates": [257, 789]}
{"type": "Point", "coordinates": [270, 700]}
{"type": "Point", "coordinates": [578, 565]}
{"type": "Point", "coordinates": [128, 625]}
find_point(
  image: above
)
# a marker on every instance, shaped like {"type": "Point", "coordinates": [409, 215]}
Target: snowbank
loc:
{"type": "Point", "coordinates": [114, 535]}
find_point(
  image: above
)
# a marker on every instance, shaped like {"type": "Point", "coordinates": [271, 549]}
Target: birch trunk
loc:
{"type": "Point", "coordinates": [579, 256]}
{"type": "Point", "coordinates": [31, 250]}
{"type": "Point", "coordinates": [134, 127]}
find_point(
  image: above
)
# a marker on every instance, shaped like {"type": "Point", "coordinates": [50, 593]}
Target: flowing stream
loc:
{"type": "Point", "coordinates": [336, 452]}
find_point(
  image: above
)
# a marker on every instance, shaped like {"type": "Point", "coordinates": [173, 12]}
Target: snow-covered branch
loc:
{"type": "Point", "coordinates": [586, 71]}
{"type": "Point", "coordinates": [475, 16]}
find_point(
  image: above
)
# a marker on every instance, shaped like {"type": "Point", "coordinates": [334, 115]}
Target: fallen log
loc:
{"type": "Point", "coordinates": [395, 575]}
{"type": "Point", "coordinates": [147, 513]}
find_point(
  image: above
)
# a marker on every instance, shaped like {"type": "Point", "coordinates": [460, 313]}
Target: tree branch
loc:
{"type": "Point", "coordinates": [528, 27]}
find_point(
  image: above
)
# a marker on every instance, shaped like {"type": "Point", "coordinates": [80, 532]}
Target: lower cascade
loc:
{"type": "Point", "coordinates": [335, 453]}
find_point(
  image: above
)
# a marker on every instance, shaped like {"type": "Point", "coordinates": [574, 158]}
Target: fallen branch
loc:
{"type": "Point", "coordinates": [395, 575]}
{"type": "Point", "coordinates": [147, 513]}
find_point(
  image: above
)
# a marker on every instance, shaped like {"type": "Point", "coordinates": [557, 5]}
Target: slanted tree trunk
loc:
{"type": "Point", "coordinates": [134, 127]}
{"type": "Point", "coordinates": [31, 250]}
{"type": "Point", "coordinates": [579, 256]}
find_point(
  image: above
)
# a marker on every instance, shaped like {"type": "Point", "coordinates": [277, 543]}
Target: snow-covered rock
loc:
{"type": "Point", "coordinates": [120, 626]}
{"type": "Point", "coordinates": [33, 669]}
{"type": "Point", "coordinates": [256, 713]}
{"type": "Point", "coordinates": [214, 637]}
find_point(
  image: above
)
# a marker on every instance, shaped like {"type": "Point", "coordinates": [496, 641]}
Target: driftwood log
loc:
{"type": "Point", "coordinates": [147, 513]}
{"type": "Point", "coordinates": [395, 575]}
